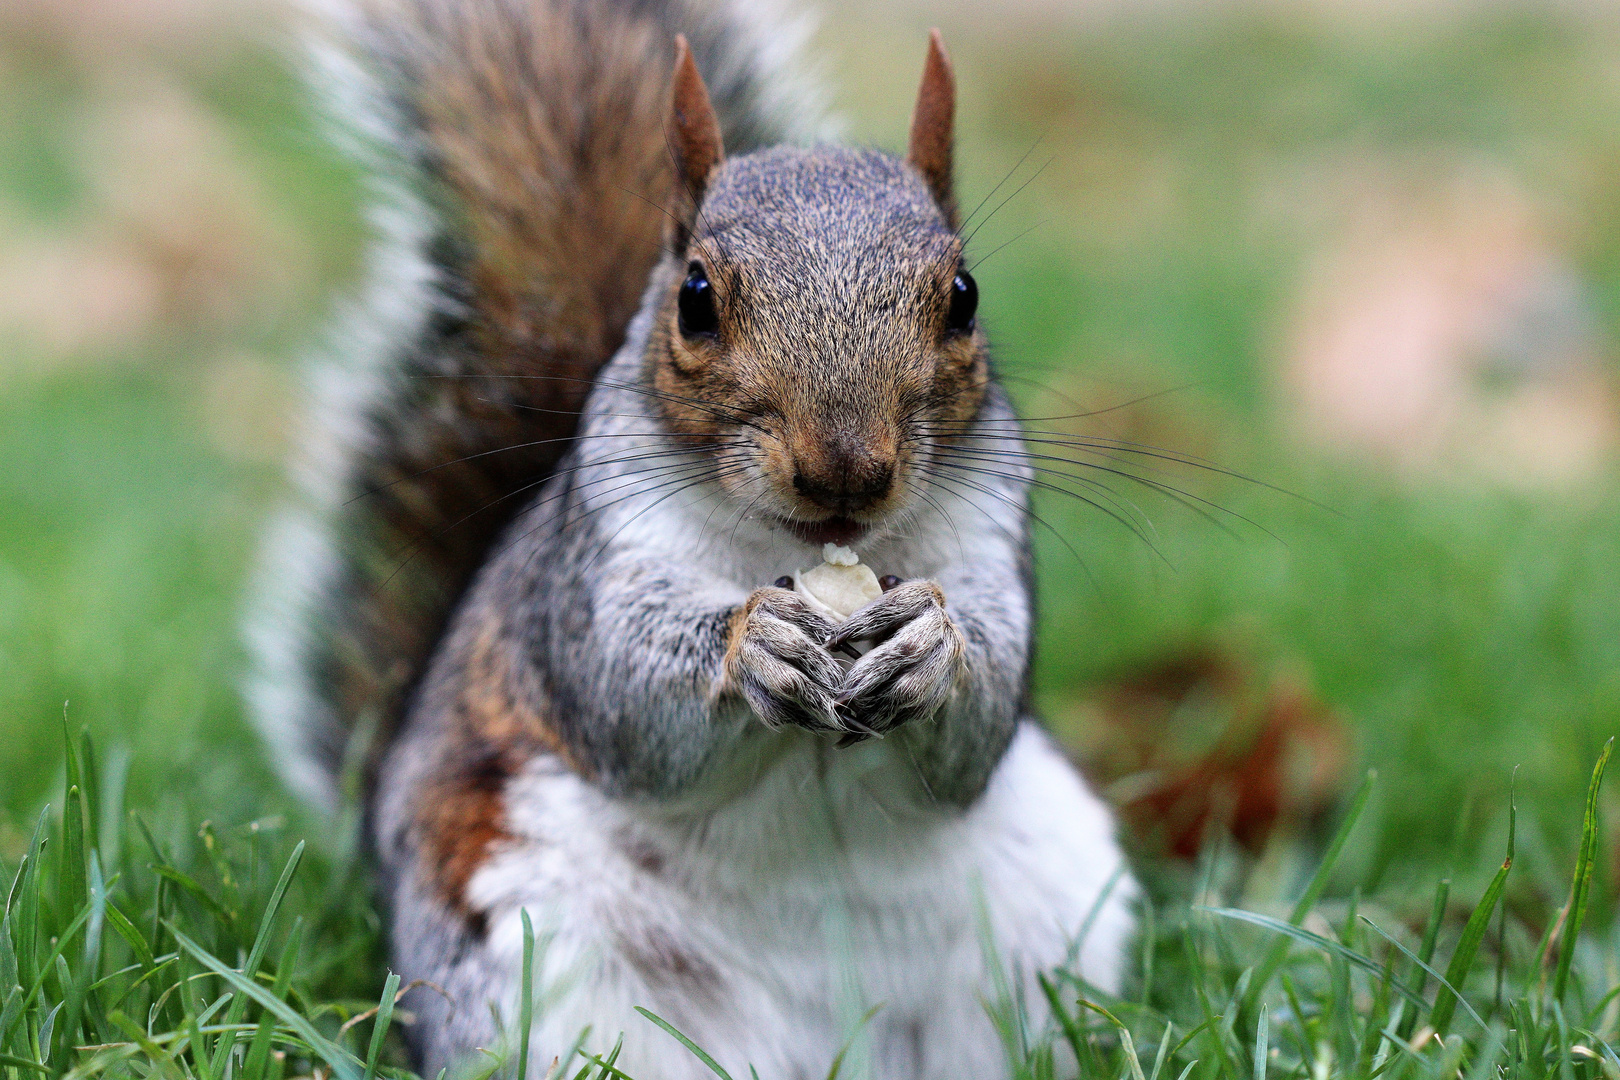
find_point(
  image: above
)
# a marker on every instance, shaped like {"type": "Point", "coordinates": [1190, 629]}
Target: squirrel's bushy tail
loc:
{"type": "Point", "coordinates": [523, 176]}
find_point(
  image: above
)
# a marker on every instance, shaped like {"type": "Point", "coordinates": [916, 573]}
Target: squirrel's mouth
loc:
{"type": "Point", "coordinates": [833, 530]}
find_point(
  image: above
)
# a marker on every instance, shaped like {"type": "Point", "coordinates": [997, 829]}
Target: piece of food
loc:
{"type": "Point", "coordinates": [840, 586]}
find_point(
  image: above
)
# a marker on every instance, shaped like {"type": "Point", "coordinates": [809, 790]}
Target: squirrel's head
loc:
{"type": "Point", "coordinates": [818, 333]}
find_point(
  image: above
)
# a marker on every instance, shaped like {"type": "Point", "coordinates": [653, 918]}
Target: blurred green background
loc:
{"type": "Point", "coordinates": [1366, 253]}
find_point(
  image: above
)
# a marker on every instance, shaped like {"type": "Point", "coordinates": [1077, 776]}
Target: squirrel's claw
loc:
{"type": "Point", "coordinates": [858, 733]}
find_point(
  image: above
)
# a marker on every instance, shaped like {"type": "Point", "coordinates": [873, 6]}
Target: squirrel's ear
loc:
{"type": "Point", "coordinates": [932, 126]}
{"type": "Point", "coordinates": [694, 135]}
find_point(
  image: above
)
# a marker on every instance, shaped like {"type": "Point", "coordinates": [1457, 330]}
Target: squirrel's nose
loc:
{"type": "Point", "coordinates": [844, 486]}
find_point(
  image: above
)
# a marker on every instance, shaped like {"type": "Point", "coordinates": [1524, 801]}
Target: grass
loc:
{"type": "Point", "coordinates": [1464, 628]}
{"type": "Point", "coordinates": [233, 953]}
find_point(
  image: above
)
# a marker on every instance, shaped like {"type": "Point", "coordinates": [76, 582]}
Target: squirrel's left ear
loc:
{"type": "Point", "coordinates": [694, 137]}
{"type": "Point", "coordinates": [932, 127]}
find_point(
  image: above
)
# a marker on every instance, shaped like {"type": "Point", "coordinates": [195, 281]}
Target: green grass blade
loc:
{"type": "Point", "coordinates": [8, 955]}
{"type": "Point", "coordinates": [608, 1065]}
{"type": "Point", "coordinates": [47, 1031]}
{"type": "Point", "coordinates": [1086, 924]}
{"type": "Point", "coordinates": [90, 785]}
{"type": "Point", "coordinates": [26, 909]}
{"type": "Point", "coordinates": [849, 1043]}
{"type": "Point", "coordinates": [697, 1052]}
{"type": "Point", "coordinates": [192, 888]}
{"type": "Point", "coordinates": [1424, 968]}
{"type": "Point", "coordinates": [1445, 1002]}
{"type": "Point", "coordinates": [1261, 1034]}
{"type": "Point", "coordinates": [1313, 892]}
{"type": "Point", "coordinates": [342, 1062]}
{"type": "Point", "coordinates": [379, 1026]}
{"type": "Point", "coordinates": [10, 1010]}
{"type": "Point", "coordinates": [1581, 887]}
{"type": "Point", "coordinates": [199, 1047]}
{"type": "Point", "coordinates": [1066, 1022]}
{"type": "Point", "coordinates": [1437, 917]}
{"type": "Point", "coordinates": [1127, 1046]}
{"type": "Point", "coordinates": [1431, 936]}
{"type": "Point", "coordinates": [259, 1052]}
{"type": "Point", "coordinates": [23, 1063]}
{"type": "Point", "coordinates": [125, 929]}
{"type": "Point", "coordinates": [261, 941]}
{"type": "Point", "coordinates": [70, 876]}
{"type": "Point", "coordinates": [1326, 944]}
{"type": "Point", "coordinates": [526, 1002]}
{"type": "Point", "coordinates": [45, 968]}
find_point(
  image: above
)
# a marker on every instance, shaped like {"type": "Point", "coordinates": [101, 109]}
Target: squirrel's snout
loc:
{"type": "Point", "coordinates": [844, 486]}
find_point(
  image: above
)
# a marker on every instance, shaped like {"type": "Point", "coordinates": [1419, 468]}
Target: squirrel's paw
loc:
{"type": "Point", "coordinates": [778, 661]}
{"type": "Point", "coordinates": [913, 669]}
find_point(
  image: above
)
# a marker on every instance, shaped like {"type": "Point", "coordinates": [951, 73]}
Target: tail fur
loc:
{"type": "Point", "coordinates": [518, 149]}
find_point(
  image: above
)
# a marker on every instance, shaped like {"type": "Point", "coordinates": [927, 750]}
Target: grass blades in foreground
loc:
{"type": "Point", "coordinates": [234, 957]}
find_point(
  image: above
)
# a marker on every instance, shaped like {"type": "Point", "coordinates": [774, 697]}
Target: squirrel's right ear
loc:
{"type": "Point", "coordinates": [694, 138]}
{"type": "Point", "coordinates": [933, 123]}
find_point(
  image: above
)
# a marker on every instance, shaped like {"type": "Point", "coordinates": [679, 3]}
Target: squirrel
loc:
{"type": "Point", "coordinates": [634, 348]}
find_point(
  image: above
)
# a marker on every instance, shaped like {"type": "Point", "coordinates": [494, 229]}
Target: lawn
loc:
{"type": "Point", "coordinates": [1350, 283]}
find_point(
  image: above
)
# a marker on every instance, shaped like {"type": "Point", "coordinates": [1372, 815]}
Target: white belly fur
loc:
{"type": "Point", "coordinates": [765, 929]}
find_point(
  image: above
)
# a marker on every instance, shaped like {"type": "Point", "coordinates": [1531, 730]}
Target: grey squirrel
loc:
{"type": "Point", "coordinates": [631, 356]}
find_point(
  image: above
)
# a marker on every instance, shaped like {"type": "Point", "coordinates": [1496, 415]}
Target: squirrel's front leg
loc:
{"type": "Point", "coordinates": [777, 661]}
{"type": "Point", "coordinates": [917, 664]}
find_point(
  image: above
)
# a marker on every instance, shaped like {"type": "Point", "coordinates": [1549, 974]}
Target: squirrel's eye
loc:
{"type": "Point", "coordinates": [964, 303]}
{"type": "Point", "coordinates": [696, 304]}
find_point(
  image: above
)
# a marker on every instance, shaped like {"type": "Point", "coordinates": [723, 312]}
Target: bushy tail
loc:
{"type": "Point", "coordinates": [520, 157]}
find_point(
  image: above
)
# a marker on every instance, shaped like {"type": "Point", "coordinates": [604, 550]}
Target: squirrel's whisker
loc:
{"type": "Point", "coordinates": [925, 495]}
{"type": "Point", "coordinates": [1182, 497]}
{"type": "Point", "coordinates": [1084, 413]}
{"type": "Point", "coordinates": [758, 478]}
{"type": "Point", "coordinates": [637, 487]}
{"type": "Point", "coordinates": [968, 239]}
{"type": "Point", "coordinates": [409, 551]}
{"type": "Point", "coordinates": [982, 259]}
{"type": "Point", "coordinates": [700, 481]}
{"type": "Point", "coordinates": [1019, 164]}
{"type": "Point", "coordinates": [1117, 515]}
{"type": "Point", "coordinates": [1023, 510]}
{"type": "Point", "coordinates": [1102, 489]}
{"type": "Point", "coordinates": [1102, 447]}
{"type": "Point", "coordinates": [380, 488]}
{"type": "Point", "coordinates": [719, 412]}
{"type": "Point", "coordinates": [956, 456]}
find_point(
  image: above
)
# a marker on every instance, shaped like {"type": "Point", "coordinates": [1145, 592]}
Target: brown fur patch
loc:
{"type": "Point", "coordinates": [462, 816]}
{"type": "Point", "coordinates": [492, 735]}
